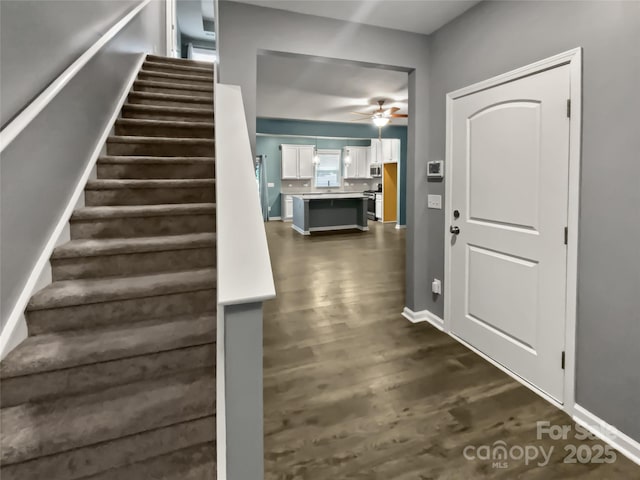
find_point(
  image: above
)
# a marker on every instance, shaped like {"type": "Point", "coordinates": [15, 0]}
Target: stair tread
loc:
{"type": "Point", "coordinates": [55, 351]}
{"type": "Point", "coordinates": [181, 68]}
{"type": "Point", "coordinates": [171, 96]}
{"type": "Point", "coordinates": [124, 159]}
{"type": "Point", "coordinates": [175, 86]}
{"type": "Point", "coordinates": [126, 183]}
{"type": "Point", "coordinates": [174, 140]}
{"type": "Point", "coordinates": [34, 430]}
{"type": "Point", "coordinates": [66, 293]}
{"type": "Point", "coordinates": [179, 61]}
{"type": "Point", "coordinates": [166, 108]}
{"type": "Point", "coordinates": [163, 123]}
{"type": "Point", "coordinates": [124, 211]}
{"type": "Point", "coordinates": [177, 76]}
{"type": "Point", "coordinates": [192, 463]}
{"type": "Point", "coordinates": [112, 246]}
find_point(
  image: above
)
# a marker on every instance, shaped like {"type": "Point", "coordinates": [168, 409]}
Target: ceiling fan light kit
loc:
{"type": "Point", "coordinates": [380, 121]}
{"type": "Point", "coordinates": [381, 117]}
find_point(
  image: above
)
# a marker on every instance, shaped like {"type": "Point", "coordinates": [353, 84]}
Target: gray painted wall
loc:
{"type": "Point", "coordinates": [245, 30]}
{"type": "Point", "coordinates": [40, 169]}
{"type": "Point", "coordinates": [39, 39]}
{"type": "Point", "coordinates": [495, 37]}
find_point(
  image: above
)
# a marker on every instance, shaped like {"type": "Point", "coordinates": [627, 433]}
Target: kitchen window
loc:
{"type": "Point", "coordinates": [327, 172]}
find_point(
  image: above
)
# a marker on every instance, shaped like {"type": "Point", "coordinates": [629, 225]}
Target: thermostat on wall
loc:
{"type": "Point", "coordinates": [435, 169]}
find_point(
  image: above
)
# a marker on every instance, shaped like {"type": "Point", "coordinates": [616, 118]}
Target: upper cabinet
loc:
{"type": "Point", "coordinates": [386, 150]}
{"type": "Point", "coordinates": [297, 161]}
{"type": "Point", "coordinates": [356, 162]}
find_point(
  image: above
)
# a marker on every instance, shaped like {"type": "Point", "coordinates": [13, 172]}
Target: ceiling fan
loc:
{"type": "Point", "coordinates": [381, 117]}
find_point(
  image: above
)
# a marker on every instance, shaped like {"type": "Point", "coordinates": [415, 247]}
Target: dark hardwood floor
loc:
{"type": "Point", "coordinates": [352, 390]}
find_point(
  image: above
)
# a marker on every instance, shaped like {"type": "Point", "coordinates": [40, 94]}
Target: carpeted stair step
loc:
{"type": "Point", "coordinates": [175, 68]}
{"type": "Point", "coordinates": [149, 192]}
{"type": "Point", "coordinates": [94, 303]}
{"type": "Point", "coordinates": [155, 167]}
{"type": "Point", "coordinates": [194, 463]}
{"type": "Point", "coordinates": [89, 258]}
{"type": "Point", "coordinates": [170, 100]}
{"type": "Point", "coordinates": [172, 88]}
{"type": "Point", "coordinates": [35, 430]}
{"type": "Point", "coordinates": [163, 128]}
{"type": "Point", "coordinates": [160, 146]}
{"type": "Point", "coordinates": [153, 112]}
{"type": "Point", "coordinates": [142, 221]}
{"type": "Point", "coordinates": [177, 78]}
{"type": "Point", "coordinates": [70, 363]}
{"type": "Point", "coordinates": [107, 456]}
{"type": "Point", "coordinates": [178, 61]}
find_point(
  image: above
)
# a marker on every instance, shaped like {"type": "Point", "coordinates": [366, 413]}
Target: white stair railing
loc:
{"type": "Point", "coordinates": [245, 281]}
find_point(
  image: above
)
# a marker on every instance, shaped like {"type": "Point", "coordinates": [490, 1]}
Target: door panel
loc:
{"type": "Point", "coordinates": [504, 175]}
{"type": "Point", "coordinates": [510, 170]}
{"type": "Point", "coordinates": [305, 159]}
{"type": "Point", "coordinates": [289, 161]}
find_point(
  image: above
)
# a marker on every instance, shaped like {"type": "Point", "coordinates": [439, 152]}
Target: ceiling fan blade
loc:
{"type": "Point", "coordinates": [393, 110]}
{"type": "Point", "coordinates": [399, 115]}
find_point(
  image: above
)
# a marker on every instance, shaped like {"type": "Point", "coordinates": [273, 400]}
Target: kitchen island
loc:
{"type": "Point", "coordinates": [324, 212]}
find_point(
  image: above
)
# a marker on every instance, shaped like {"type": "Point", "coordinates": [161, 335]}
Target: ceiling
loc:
{"type": "Point", "coordinates": [418, 16]}
{"type": "Point", "coordinates": [190, 15]}
{"type": "Point", "coordinates": [304, 89]}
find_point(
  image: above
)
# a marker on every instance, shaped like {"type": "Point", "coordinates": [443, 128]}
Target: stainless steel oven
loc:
{"type": "Point", "coordinates": [371, 204]}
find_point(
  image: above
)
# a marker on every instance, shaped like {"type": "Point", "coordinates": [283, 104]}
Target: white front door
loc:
{"type": "Point", "coordinates": [509, 179]}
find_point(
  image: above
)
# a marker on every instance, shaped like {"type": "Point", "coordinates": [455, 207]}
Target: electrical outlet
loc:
{"type": "Point", "coordinates": [436, 286]}
{"type": "Point", "coordinates": [271, 185]}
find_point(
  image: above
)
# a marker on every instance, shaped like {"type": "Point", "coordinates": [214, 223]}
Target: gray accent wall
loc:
{"type": "Point", "coordinates": [495, 37]}
{"type": "Point", "coordinates": [247, 30]}
{"type": "Point", "coordinates": [39, 170]}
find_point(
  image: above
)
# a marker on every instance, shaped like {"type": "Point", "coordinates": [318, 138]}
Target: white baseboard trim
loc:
{"type": "Point", "coordinates": [626, 445]}
{"type": "Point", "coordinates": [423, 316]}
{"type": "Point", "coordinates": [399, 227]}
{"type": "Point", "coordinates": [275, 218]}
{"type": "Point", "coordinates": [299, 230]}
{"type": "Point", "coordinates": [15, 330]}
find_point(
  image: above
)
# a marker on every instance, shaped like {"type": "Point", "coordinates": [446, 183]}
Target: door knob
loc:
{"type": "Point", "coordinates": [454, 230]}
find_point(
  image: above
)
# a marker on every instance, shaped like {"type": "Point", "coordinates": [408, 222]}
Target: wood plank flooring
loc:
{"type": "Point", "coordinates": [354, 391]}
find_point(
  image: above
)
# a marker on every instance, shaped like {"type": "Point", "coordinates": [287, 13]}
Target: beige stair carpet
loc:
{"type": "Point", "coordinates": [117, 377]}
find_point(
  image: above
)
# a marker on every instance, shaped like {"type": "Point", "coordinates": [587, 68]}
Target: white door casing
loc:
{"type": "Point", "coordinates": [512, 161]}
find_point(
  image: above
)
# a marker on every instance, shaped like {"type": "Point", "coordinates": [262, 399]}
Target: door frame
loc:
{"type": "Point", "coordinates": [171, 25]}
{"type": "Point", "coordinates": [573, 58]}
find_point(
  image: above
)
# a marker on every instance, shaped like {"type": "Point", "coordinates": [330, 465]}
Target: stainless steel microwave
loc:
{"type": "Point", "coordinates": [375, 170]}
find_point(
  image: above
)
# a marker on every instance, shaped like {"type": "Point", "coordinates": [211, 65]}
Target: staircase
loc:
{"type": "Point", "coordinates": [117, 377]}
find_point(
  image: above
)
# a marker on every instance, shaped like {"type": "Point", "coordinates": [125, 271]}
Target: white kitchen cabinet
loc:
{"type": "Point", "coordinates": [379, 206]}
{"type": "Point", "coordinates": [360, 161]}
{"type": "Point", "coordinates": [390, 150]}
{"type": "Point", "coordinates": [297, 161]}
{"type": "Point", "coordinates": [375, 155]}
{"type": "Point", "coordinates": [305, 161]}
{"type": "Point", "coordinates": [287, 207]}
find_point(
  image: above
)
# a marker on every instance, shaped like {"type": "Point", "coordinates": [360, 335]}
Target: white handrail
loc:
{"type": "Point", "coordinates": [244, 266]}
{"type": "Point", "coordinates": [26, 116]}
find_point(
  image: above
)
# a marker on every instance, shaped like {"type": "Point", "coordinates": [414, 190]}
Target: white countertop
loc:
{"type": "Point", "coordinates": [328, 196]}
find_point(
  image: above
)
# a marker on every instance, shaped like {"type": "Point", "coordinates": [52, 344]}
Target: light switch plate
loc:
{"type": "Point", "coordinates": [434, 201]}
{"type": "Point", "coordinates": [271, 184]}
